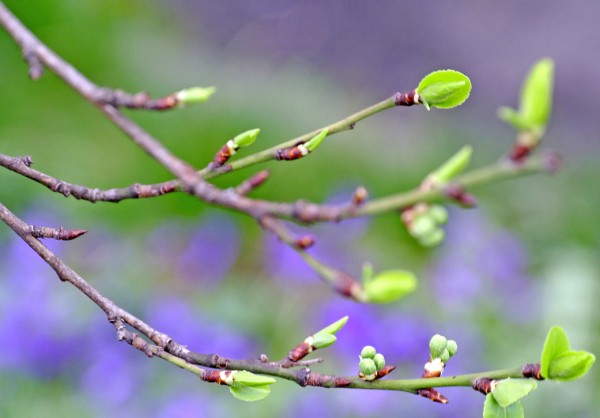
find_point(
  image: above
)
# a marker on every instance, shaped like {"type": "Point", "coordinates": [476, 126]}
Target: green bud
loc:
{"type": "Point", "coordinates": [379, 360]}
{"type": "Point", "coordinates": [194, 95]}
{"type": "Point", "coordinates": [315, 141]}
{"type": "Point", "coordinates": [389, 286]}
{"type": "Point", "coordinates": [250, 379]}
{"type": "Point", "coordinates": [367, 366]}
{"type": "Point", "coordinates": [439, 214]}
{"type": "Point", "coordinates": [368, 352]}
{"type": "Point", "coordinates": [333, 328]}
{"type": "Point", "coordinates": [323, 340]}
{"type": "Point", "coordinates": [452, 347]}
{"type": "Point", "coordinates": [445, 356]}
{"type": "Point", "coordinates": [453, 166]}
{"type": "Point", "coordinates": [437, 345]}
{"type": "Point", "coordinates": [444, 89]}
{"type": "Point", "coordinates": [423, 225]}
{"type": "Point", "coordinates": [433, 239]}
{"type": "Point", "coordinates": [536, 94]}
{"type": "Point", "coordinates": [246, 138]}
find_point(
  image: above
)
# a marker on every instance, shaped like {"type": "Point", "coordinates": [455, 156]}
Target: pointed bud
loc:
{"type": "Point", "coordinates": [246, 138]}
{"type": "Point", "coordinates": [335, 327]}
{"type": "Point", "coordinates": [453, 166]}
{"type": "Point", "coordinates": [368, 352]}
{"type": "Point", "coordinates": [379, 360]}
{"type": "Point", "coordinates": [313, 143]}
{"type": "Point", "coordinates": [194, 95]}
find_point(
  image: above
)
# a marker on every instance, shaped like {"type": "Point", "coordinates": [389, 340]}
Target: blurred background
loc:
{"type": "Point", "coordinates": [526, 259]}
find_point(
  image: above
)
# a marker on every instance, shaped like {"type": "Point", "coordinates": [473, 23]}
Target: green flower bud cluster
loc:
{"type": "Point", "coordinates": [442, 348]}
{"type": "Point", "coordinates": [370, 363]}
{"type": "Point", "coordinates": [425, 226]}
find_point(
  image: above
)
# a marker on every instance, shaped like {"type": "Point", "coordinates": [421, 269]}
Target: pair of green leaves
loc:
{"type": "Point", "coordinates": [561, 363]}
{"type": "Point", "coordinates": [535, 104]}
{"type": "Point", "coordinates": [504, 400]}
{"type": "Point", "coordinates": [250, 387]}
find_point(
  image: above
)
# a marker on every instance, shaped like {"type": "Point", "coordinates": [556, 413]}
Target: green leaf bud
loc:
{"type": "Point", "coordinates": [445, 356]}
{"type": "Point", "coordinates": [444, 89]}
{"type": "Point", "coordinates": [508, 391]}
{"type": "Point", "coordinates": [246, 138]}
{"type": "Point", "coordinates": [452, 347]}
{"type": "Point", "coordinates": [250, 379]}
{"type": "Point", "coordinates": [389, 286]}
{"type": "Point", "coordinates": [570, 365]}
{"type": "Point", "coordinates": [323, 340]}
{"type": "Point", "coordinates": [513, 118]}
{"type": "Point", "coordinates": [453, 166]}
{"type": "Point", "coordinates": [423, 225]}
{"type": "Point", "coordinates": [194, 95]}
{"type": "Point", "coordinates": [368, 352]}
{"type": "Point", "coordinates": [335, 327]}
{"type": "Point", "coordinates": [379, 360]}
{"type": "Point", "coordinates": [433, 239]}
{"type": "Point", "coordinates": [367, 366]}
{"type": "Point", "coordinates": [437, 345]}
{"type": "Point", "coordinates": [315, 141]}
{"type": "Point", "coordinates": [439, 214]}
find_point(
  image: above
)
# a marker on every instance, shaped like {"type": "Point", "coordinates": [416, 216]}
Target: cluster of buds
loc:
{"type": "Point", "coordinates": [321, 339]}
{"type": "Point", "coordinates": [302, 149]}
{"type": "Point", "coordinates": [424, 223]}
{"type": "Point", "coordinates": [372, 364]}
{"type": "Point", "coordinates": [230, 148]}
{"type": "Point", "coordinates": [441, 350]}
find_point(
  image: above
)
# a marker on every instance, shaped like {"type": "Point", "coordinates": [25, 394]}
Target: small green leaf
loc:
{"type": "Point", "coordinates": [335, 327]}
{"type": "Point", "coordinates": [570, 365]}
{"type": "Point", "coordinates": [509, 391]}
{"type": "Point", "coordinates": [315, 141]}
{"type": "Point", "coordinates": [536, 94]}
{"type": "Point", "coordinates": [368, 351]}
{"type": "Point", "coordinates": [194, 95]}
{"type": "Point", "coordinates": [389, 286]}
{"type": "Point", "coordinates": [556, 344]}
{"type": "Point", "coordinates": [250, 379]}
{"type": "Point", "coordinates": [491, 409]}
{"type": "Point", "coordinates": [323, 340]}
{"type": "Point", "coordinates": [444, 89]}
{"type": "Point", "coordinates": [453, 166]}
{"type": "Point", "coordinates": [250, 393]}
{"type": "Point", "coordinates": [513, 118]}
{"type": "Point", "coordinates": [246, 138]}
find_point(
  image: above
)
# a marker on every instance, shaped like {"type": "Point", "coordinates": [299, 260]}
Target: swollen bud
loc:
{"type": "Point", "coordinates": [367, 369]}
{"type": "Point", "coordinates": [437, 345]}
{"type": "Point", "coordinates": [379, 360]}
{"type": "Point", "coordinates": [194, 95]}
{"type": "Point", "coordinates": [368, 352]}
{"type": "Point", "coordinates": [452, 347]}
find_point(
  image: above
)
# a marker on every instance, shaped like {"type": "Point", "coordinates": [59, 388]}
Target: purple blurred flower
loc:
{"type": "Point", "coordinates": [190, 327]}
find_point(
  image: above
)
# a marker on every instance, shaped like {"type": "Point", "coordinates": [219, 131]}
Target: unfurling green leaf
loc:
{"type": "Point", "coordinates": [246, 138]}
{"type": "Point", "coordinates": [250, 393]}
{"type": "Point", "coordinates": [323, 340]}
{"type": "Point", "coordinates": [194, 95]}
{"type": "Point", "coordinates": [453, 166]}
{"type": "Point", "coordinates": [389, 286]}
{"type": "Point", "coordinates": [556, 344]}
{"type": "Point", "coordinates": [570, 365]}
{"type": "Point", "coordinates": [491, 409]}
{"type": "Point", "coordinates": [335, 327]}
{"type": "Point", "coordinates": [508, 391]}
{"type": "Point", "coordinates": [250, 379]}
{"type": "Point", "coordinates": [316, 140]}
{"type": "Point", "coordinates": [535, 104]}
{"type": "Point", "coordinates": [444, 89]}
{"type": "Point", "coordinates": [368, 352]}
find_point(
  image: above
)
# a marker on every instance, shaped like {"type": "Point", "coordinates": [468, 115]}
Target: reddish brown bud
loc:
{"type": "Point", "coordinates": [305, 242]}
{"type": "Point", "coordinates": [433, 395]}
{"type": "Point", "coordinates": [300, 351]}
{"type": "Point", "coordinates": [360, 195]}
{"type": "Point", "coordinates": [533, 371]}
{"type": "Point", "coordinates": [519, 153]}
{"type": "Point", "coordinates": [460, 196]}
{"type": "Point", "coordinates": [406, 99]}
{"type": "Point", "coordinates": [483, 385]}
{"type": "Point", "coordinates": [385, 371]}
{"type": "Point", "coordinates": [292, 153]}
{"type": "Point", "coordinates": [222, 156]}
